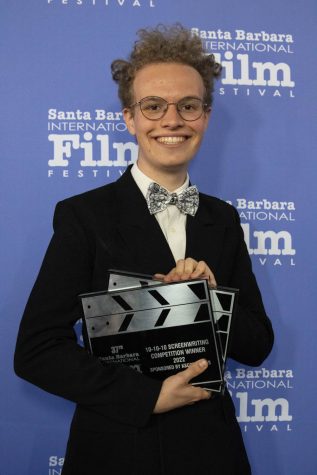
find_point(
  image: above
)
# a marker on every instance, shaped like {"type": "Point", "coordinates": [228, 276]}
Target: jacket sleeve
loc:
{"type": "Point", "coordinates": [47, 353]}
{"type": "Point", "coordinates": [252, 334]}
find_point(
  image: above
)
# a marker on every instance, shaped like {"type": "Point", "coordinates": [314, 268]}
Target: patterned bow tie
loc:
{"type": "Point", "coordinates": [158, 198]}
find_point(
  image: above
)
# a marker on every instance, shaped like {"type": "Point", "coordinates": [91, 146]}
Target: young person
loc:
{"type": "Point", "coordinates": [127, 423]}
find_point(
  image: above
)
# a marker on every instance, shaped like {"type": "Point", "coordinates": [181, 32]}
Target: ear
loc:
{"type": "Point", "coordinates": [129, 120]}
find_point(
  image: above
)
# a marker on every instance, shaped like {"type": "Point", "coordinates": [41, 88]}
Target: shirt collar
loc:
{"type": "Point", "coordinates": [143, 181]}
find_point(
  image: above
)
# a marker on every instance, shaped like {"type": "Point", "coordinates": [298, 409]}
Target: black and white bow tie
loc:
{"type": "Point", "coordinates": [158, 198]}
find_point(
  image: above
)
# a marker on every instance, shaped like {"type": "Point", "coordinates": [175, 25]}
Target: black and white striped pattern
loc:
{"type": "Point", "coordinates": [155, 296]}
{"type": "Point", "coordinates": [148, 319]}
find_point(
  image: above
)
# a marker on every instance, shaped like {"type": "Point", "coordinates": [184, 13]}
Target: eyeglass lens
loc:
{"type": "Point", "coordinates": [154, 108]}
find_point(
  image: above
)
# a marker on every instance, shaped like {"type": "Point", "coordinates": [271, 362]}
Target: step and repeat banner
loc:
{"type": "Point", "coordinates": [63, 133]}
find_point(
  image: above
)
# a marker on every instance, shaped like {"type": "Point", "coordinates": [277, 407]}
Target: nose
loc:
{"type": "Point", "coordinates": [171, 117]}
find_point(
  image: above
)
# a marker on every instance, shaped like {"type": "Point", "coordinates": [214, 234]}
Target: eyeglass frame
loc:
{"type": "Point", "coordinates": [205, 107]}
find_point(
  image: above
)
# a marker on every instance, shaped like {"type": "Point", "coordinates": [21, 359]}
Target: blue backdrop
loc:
{"type": "Point", "coordinates": [62, 133]}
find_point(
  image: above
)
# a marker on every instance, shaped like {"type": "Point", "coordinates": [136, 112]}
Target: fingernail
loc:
{"type": "Point", "coordinates": [202, 364]}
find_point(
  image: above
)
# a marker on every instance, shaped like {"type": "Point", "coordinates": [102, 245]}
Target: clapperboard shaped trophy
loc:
{"type": "Point", "coordinates": [223, 305]}
{"type": "Point", "coordinates": [160, 328]}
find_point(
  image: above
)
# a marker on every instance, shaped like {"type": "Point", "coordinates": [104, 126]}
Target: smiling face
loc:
{"type": "Point", "coordinates": [167, 145]}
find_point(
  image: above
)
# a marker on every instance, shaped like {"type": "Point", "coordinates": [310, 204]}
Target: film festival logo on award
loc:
{"type": "Point", "coordinates": [250, 61]}
{"type": "Point", "coordinates": [261, 414]}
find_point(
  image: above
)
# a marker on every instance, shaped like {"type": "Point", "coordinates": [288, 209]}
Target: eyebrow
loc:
{"type": "Point", "coordinates": [181, 99]}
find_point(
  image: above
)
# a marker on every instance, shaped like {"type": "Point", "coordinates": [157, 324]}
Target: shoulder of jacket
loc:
{"type": "Point", "coordinates": [217, 204]}
{"type": "Point", "coordinates": [95, 195]}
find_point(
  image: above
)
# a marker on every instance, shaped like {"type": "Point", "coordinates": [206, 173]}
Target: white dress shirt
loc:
{"type": "Point", "coordinates": [172, 222]}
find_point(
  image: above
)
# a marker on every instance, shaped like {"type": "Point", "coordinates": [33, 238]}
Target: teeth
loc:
{"type": "Point", "coordinates": [171, 140]}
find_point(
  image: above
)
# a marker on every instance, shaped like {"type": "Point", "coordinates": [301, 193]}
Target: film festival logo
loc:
{"type": "Point", "coordinates": [250, 61]}
{"type": "Point", "coordinates": [88, 138]}
{"type": "Point", "coordinates": [266, 245]}
{"type": "Point", "coordinates": [253, 392]}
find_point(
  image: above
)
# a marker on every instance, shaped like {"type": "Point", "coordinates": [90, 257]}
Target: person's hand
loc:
{"type": "Point", "coordinates": [177, 392]}
{"type": "Point", "coordinates": [187, 269]}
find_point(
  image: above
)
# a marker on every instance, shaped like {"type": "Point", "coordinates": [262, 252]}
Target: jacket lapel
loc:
{"type": "Point", "coordinates": [204, 236]}
{"type": "Point", "coordinates": [146, 248]}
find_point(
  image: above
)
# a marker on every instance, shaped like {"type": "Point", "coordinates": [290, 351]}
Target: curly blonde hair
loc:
{"type": "Point", "coordinates": [165, 44]}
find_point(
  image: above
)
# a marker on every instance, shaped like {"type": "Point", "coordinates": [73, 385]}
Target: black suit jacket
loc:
{"type": "Point", "coordinates": [113, 430]}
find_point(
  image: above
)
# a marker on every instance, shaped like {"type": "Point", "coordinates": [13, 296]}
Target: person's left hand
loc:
{"type": "Point", "coordinates": [188, 269]}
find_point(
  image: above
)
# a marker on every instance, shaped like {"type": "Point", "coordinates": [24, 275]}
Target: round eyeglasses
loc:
{"type": "Point", "coordinates": [154, 108]}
